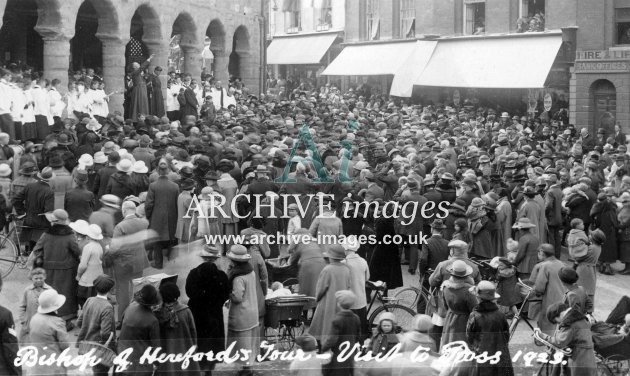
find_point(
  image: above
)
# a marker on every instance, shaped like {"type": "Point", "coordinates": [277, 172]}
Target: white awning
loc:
{"type": "Point", "coordinates": [505, 62]}
{"type": "Point", "coordinates": [303, 49]}
{"type": "Point", "coordinates": [371, 59]}
{"type": "Point", "coordinates": [412, 69]}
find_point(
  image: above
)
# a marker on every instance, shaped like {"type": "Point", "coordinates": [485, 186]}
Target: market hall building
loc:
{"type": "Point", "coordinates": [519, 55]}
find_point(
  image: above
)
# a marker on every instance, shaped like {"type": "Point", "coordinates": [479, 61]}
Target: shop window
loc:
{"type": "Point", "coordinates": [292, 10]}
{"type": "Point", "coordinates": [407, 19]}
{"type": "Point", "coordinates": [622, 20]}
{"type": "Point", "coordinates": [372, 20]}
{"type": "Point", "coordinates": [474, 17]}
{"type": "Point", "coordinates": [531, 16]}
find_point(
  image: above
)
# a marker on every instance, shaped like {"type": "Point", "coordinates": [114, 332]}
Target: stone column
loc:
{"type": "Point", "coordinates": [114, 70]}
{"type": "Point", "coordinates": [192, 61]}
{"type": "Point", "coordinates": [57, 59]}
{"type": "Point", "coordinates": [249, 66]}
{"type": "Point", "coordinates": [221, 61]}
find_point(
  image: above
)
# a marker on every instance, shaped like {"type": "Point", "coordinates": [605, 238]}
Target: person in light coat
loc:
{"type": "Point", "coordinates": [547, 284]}
{"type": "Point", "coordinates": [359, 274]}
{"type": "Point", "coordinates": [90, 265]}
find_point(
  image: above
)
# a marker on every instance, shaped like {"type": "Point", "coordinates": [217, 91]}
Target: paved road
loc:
{"type": "Point", "coordinates": [609, 290]}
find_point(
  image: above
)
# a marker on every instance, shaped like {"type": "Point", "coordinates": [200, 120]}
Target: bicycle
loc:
{"type": "Point", "coordinates": [414, 297]}
{"type": "Point", "coordinates": [11, 248]}
{"type": "Point", "coordinates": [403, 314]}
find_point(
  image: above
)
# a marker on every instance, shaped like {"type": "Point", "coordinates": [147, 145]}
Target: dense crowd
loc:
{"type": "Point", "coordinates": [104, 196]}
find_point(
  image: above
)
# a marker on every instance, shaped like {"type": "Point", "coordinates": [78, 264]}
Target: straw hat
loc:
{"type": "Point", "coordinates": [50, 301]}
{"type": "Point", "coordinates": [238, 253]}
{"type": "Point", "coordinates": [5, 170]}
{"type": "Point", "coordinates": [80, 226]}
{"type": "Point", "coordinates": [46, 174]}
{"type": "Point", "coordinates": [124, 165]}
{"type": "Point", "coordinates": [58, 217]}
{"type": "Point", "coordinates": [94, 232]}
{"type": "Point", "coordinates": [460, 269]}
{"type": "Point", "coordinates": [485, 290]}
{"type": "Point", "coordinates": [139, 167]}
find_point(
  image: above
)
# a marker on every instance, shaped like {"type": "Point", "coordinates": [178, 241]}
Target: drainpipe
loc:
{"type": "Point", "coordinates": [263, 46]}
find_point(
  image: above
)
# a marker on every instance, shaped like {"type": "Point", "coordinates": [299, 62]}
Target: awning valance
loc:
{"type": "Point", "coordinates": [505, 62]}
{"type": "Point", "coordinates": [371, 59]}
{"type": "Point", "coordinates": [303, 49]}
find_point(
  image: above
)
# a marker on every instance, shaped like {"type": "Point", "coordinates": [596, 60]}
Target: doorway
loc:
{"type": "Point", "coordinates": [604, 101]}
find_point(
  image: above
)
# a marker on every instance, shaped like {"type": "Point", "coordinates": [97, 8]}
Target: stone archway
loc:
{"type": "Point", "coordinates": [216, 33]}
{"type": "Point", "coordinates": [185, 54]}
{"type": "Point", "coordinates": [603, 98]}
{"type": "Point", "coordinates": [96, 21]}
{"type": "Point", "coordinates": [20, 43]}
{"type": "Point", "coordinates": [240, 53]}
{"type": "Point", "coordinates": [145, 36]}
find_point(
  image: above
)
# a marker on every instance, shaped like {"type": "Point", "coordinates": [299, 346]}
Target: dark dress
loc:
{"type": "Point", "coordinates": [140, 329]}
{"type": "Point", "coordinates": [346, 326]}
{"type": "Point", "coordinates": [138, 96]}
{"type": "Point", "coordinates": [385, 263]}
{"type": "Point", "coordinates": [156, 99]}
{"type": "Point", "coordinates": [604, 215]}
{"type": "Point", "coordinates": [487, 330]}
{"type": "Point", "coordinates": [207, 288]}
{"type": "Point", "coordinates": [187, 103]}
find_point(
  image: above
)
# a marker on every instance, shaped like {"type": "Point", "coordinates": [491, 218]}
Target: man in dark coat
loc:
{"type": "Point", "coordinates": [553, 211]}
{"type": "Point", "coordinates": [79, 202]}
{"type": "Point", "coordinates": [128, 260]}
{"type": "Point", "coordinates": [102, 176]}
{"type": "Point", "coordinates": [410, 225]}
{"type": "Point", "coordinates": [346, 327]}
{"type": "Point", "coordinates": [161, 210]}
{"type": "Point", "coordinates": [154, 88]}
{"type": "Point", "coordinates": [187, 100]}
{"type": "Point", "coordinates": [120, 183]}
{"type": "Point", "coordinates": [35, 200]}
{"type": "Point", "coordinates": [207, 288]}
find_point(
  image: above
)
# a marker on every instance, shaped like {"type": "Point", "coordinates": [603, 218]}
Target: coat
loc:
{"type": "Point", "coordinates": [187, 103]}
{"type": "Point", "coordinates": [102, 180]}
{"type": "Point", "coordinates": [60, 183]}
{"type": "Point", "coordinates": [587, 270]}
{"type": "Point", "coordinates": [36, 199]}
{"type": "Point", "coordinates": [79, 203]}
{"type": "Point", "coordinates": [61, 259]}
{"type": "Point", "coordinates": [459, 303]}
{"type": "Point", "coordinates": [156, 100]}
{"type": "Point", "coordinates": [504, 226]}
{"type": "Point", "coordinates": [260, 269]}
{"type": "Point", "coordinates": [182, 232]}
{"type": "Point", "coordinates": [161, 208]}
{"type": "Point", "coordinates": [604, 217]}
{"type": "Point", "coordinates": [385, 262]}
{"type": "Point", "coordinates": [480, 230]}
{"type": "Point", "coordinates": [28, 309]}
{"type": "Point", "coordinates": [407, 214]}
{"type": "Point", "coordinates": [243, 314]}
{"type": "Point", "coordinates": [120, 185]}
{"type": "Point", "coordinates": [140, 329]}
{"type": "Point", "coordinates": [228, 187]}
{"type": "Point", "coordinates": [333, 278]}
{"type": "Point", "coordinates": [433, 252]}
{"type": "Point", "coordinates": [553, 205]}
{"type": "Point", "coordinates": [345, 326]}
{"type": "Point", "coordinates": [547, 284]}
{"type": "Point", "coordinates": [130, 258]}
{"type": "Point", "coordinates": [139, 97]}
{"type": "Point", "coordinates": [207, 289]}
{"type": "Point", "coordinates": [623, 218]}
{"type": "Point", "coordinates": [97, 321]}
{"type": "Point", "coordinates": [9, 344]}
{"type": "Point", "coordinates": [310, 265]}
{"type": "Point", "coordinates": [575, 332]}
{"type": "Point", "coordinates": [527, 253]}
{"type": "Point", "coordinates": [532, 210]}
{"type": "Point", "coordinates": [48, 334]}
{"type": "Point", "coordinates": [177, 334]}
{"type": "Point", "coordinates": [487, 330]}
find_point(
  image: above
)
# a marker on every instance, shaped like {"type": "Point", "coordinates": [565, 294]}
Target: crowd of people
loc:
{"type": "Point", "coordinates": [102, 197]}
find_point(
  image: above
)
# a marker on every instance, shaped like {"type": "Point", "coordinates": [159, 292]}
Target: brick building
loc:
{"type": "Point", "coordinates": [58, 35]}
{"type": "Point", "coordinates": [595, 88]}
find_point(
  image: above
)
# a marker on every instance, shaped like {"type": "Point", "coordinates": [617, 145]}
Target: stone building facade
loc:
{"type": "Point", "coordinates": [49, 26]}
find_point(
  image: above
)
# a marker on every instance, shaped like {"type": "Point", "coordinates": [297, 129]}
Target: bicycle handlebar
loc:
{"type": "Point", "coordinates": [565, 352]}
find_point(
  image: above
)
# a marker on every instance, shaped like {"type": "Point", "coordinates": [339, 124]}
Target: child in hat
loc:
{"type": "Point", "coordinates": [385, 338]}
{"type": "Point", "coordinates": [313, 365]}
{"type": "Point", "coordinates": [418, 335]}
{"type": "Point", "coordinates": [577, 240]}
{"type": "Point", "coordinates": [345, 328]}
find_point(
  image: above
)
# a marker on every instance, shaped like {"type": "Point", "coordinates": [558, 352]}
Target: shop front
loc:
{"type": "Point", "coordinates": [600, 85]}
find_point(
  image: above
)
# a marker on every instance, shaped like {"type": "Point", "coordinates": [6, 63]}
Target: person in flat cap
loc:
{"type": "Point", "coordinates": [344, 328]}
{"type": "Point", "coordinates": [487, 329]}
{"type": "Point", "coordinates": [97, 321]}
{"type": "Point", "coordinates": [207, 288]}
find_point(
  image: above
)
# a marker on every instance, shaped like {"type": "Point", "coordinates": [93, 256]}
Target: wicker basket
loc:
{"type": "Point", "coordinates": [102, 352]}
{"type": "Point", "coordinates": [284, 308]}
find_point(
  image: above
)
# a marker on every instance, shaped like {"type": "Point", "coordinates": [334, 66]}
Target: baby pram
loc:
{"type": "Point", "coordinates": [611, 348]}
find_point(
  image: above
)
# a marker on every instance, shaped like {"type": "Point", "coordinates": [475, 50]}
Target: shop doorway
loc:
{"type": "Point", "coordinates": [604, 101]}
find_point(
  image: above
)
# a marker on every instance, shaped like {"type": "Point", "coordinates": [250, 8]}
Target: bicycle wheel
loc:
{"type": "Point", "coordinates": [603, 370]}
{"type": "Point", "coordinates": [408, 296]}
{"type": "Point", "coordinates": [8, 256]}
{"type": "Point", "coordinates": [404, 315]}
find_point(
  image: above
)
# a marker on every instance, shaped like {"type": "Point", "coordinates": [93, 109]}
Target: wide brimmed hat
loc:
{"type": "Point", "coordinates": [50, 301]}
{"type": "Point", "coordinates": [225, 163]}
{"type": "Point", "coordinates": [458, 204]}
{"type": "Point", "coordinates": [5, 170]}
{"type": "Point", "coordinates": [139, 167]}
{"type": "Point", "coordinates": [110, 200]}
{"type": "Point", "coordinates": [262, 169]}
{"type": "Point", "coordinates": [210, 251]}
{"type": "Point", "coordinates": [460, 269]}
{"type": "Point", "coordinates": [63, 139]}
{"type": "Point", "coordinates": [335, 252]}
{"type": "Point", "coordinates": [187, 184]}
{"type": "Point", "coordinates": [80, 226]}
{"type": "Point", "coordinates": [58, 217]}
{"type": "Point", "coordinates": [94, 232]}
{"type": "Point", "coordinates": [523, 223]}
{"type": "Point", "coordinates": [485, 290]}
{"type": "Point", "coordinates": [100, 157]}
{"type": "Point", "coordinates": [28, 168]}
{"type": "Point", "coordinates": [125, 165]}
{"type": "Point", "coordinates": [238, 253]}
{"type": "Point", "coordinates": [93, 125]}
{"type": "Point", "coordinates": [148, 296]}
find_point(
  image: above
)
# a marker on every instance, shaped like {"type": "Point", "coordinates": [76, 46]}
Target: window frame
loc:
{"type": "Point", "coordinates": [372, 17]}
{"type": "Point", "coordinates": [621, 20]}
{"type": "Point", "coordinates": [467, 4]}
{"type": "Point", "coordinates": [407, 18]}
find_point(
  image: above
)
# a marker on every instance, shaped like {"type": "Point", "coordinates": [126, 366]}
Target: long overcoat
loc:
{"type": "Point", "coordinates": [161, 208]}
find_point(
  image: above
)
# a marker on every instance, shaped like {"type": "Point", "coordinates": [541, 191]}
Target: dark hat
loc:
{"type": "Point", "coordinates": [335, 252]}
{"type": "Point", "coordinates": [568, 275]}
{"type": "Point", "coordinates": [212, 175]}
{"type": "Point", "coordinates": [113, 157]}
{"type": "Point", "coordinates": [81, 176]}
{"type": "Point", "coordinates": [225, 164]}
{"type": "Point", "coordinates": [458, 204]}
{"type": "Point", "coordinates": [485, 290]}
{"type": "Point", "coordinates": [147, 296]}
{"type": "Point", "coordinates": [55, 161]}
{"type": "Point", "coordinates": [187, 184]}
{"type": "Point", "coordinates": [46, 174]}
{"type": "Point", "coordinates": [438, 224]}
{"type": "Point", "coordinates": [529, 191]}
{"type": "Point", "coordinates": [169, 292]}
{"type": "Point", "coordinates": [186, 172]}
{"type": "Point", "coordinates": [28, 168]}
{"type": "Point", "coordinates": [63, 139]}
{"type": "Point", "coordinates": [103, 283]}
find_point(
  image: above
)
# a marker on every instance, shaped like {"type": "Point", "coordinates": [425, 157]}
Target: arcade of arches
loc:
{"type": "Point", "coordinates": [59, 37]}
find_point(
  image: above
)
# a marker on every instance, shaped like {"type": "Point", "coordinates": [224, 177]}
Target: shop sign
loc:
{"type": "Point", "coordinates": [547, 102]}
{"type": "Point", "coordinates": [602, 66]}
{"type": "Point", "coordinates": [602, 55]}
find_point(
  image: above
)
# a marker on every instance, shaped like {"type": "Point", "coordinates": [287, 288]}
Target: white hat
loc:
{"type": "Point", "coordinates": [87, 160]}
{"type": "Point", "coordinates": [94, 232]}
{"type": "Point", "coordinates": [124, 165]}
{"type": "Point", "coordinates": [100, 157]}
{"type": "Point", "coordinates": [351, 243]}
{"type": "Point", "coordinates": [80, 226]}
{"type": "Point", "coordinates": [5, 170]}
{"type": "Point", "coordinates": [140, 168]}
{"type": "Point", "coordinates": [50, 301]}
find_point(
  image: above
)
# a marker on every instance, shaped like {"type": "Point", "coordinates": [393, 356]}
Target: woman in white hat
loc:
{"type": "Point", "coordinates": [90, 266]}
{"type": "Point", "coordinates": [61, 258]}
{"type": "Point", "coordinates": [48, 332]}
{"type": "Point", "coordinates": [243, 327]}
